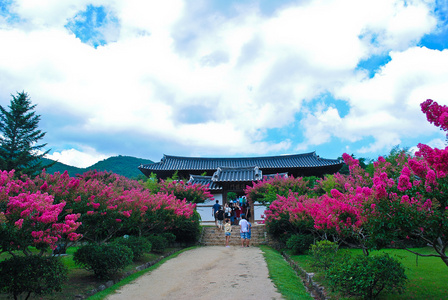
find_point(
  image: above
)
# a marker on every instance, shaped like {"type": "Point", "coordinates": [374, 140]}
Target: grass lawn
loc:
{"type": "Point", "coordinates": [283, 276]}
{"type": "Point", "coordinates": [427, 276]}
{"type": "Point", "coordinates": [81, 281]}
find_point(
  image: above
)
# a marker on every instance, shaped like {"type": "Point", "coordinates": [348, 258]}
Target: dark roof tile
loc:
{"type": "Point", "coordinates": [230, 174]}
{"type": "Point", "coordinates": [205, 180]}
{"type": "Point", "coordinates": [306, 160]}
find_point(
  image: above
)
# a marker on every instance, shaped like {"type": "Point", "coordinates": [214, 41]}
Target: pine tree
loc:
{"type": "Point", "coordinates": [19, 131]}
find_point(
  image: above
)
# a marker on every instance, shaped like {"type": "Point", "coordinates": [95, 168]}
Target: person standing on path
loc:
{"type": "Point", "coordinates": [244, 228]}
{"type": "Point", "coordinates": [249, 233]}
{"type": "Point", "coordinates": [228, 231]}
{"type": "Point", "coordinates": [215, 208]}
{"type": "Point", "coordinates": [237, 212]}
{"type": "Point", "coordinates": [220, 214]}
{"type": "Point", "coordinates": [227, 211]}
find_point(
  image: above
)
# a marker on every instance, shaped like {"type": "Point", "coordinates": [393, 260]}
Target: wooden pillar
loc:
{"type": "Point", "coordinates": [224, 195]}
{"type": "Point", "coordinates": [252, 213]}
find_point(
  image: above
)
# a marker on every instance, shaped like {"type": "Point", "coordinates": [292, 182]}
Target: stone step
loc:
{"type": "Point", "coordinates": [212, 236]}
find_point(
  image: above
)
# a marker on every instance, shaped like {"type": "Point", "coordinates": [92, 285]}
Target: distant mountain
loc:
{"type": "Point", "coordinates": [123, 165]}
{"type": "Point", "coordinates": [60, 167]}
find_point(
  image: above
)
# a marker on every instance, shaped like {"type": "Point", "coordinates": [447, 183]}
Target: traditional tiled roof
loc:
{"type": "Point", "coordinates": [230, 174]}
{"type": "Point", "coordinates": [205, 180]}
{"type": "Point", "coordinates": [269, 176]}
{"type": "Point", "coordinates": [172, 163]}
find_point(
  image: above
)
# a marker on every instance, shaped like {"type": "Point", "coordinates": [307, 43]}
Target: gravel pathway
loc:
{"type": "Point", "coordinates": [213, 272]}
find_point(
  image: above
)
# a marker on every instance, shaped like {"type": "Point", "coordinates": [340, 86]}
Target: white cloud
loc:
{"type": "Point", "coordinates": [207, 81]}
{"type": "Point", "coordinates": [41, 14]}
{"type": "Point", "coordinates": [82, 159]}
{"type": "Point", "coordinates": [387, 105]}
{"type": "Point", "coordinates": [319, 126]}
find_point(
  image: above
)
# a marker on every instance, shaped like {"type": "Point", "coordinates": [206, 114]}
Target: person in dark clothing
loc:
{"type": "Point", "coordinates": [220, 217]}
{"type": "Point", "coordinates": [215, 209]}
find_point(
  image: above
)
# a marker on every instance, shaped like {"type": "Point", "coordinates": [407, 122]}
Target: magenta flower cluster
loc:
{"type": "Point", "coordinates": [95, 206]}
{"type": "Point", "coordinates": [404, 197]}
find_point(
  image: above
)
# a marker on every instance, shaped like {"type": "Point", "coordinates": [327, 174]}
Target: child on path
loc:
{"type": "Point", "coordinates": [227, 230]}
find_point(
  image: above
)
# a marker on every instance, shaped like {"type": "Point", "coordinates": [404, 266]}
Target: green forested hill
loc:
{"type": "Point", "coordinates": [122, 165]}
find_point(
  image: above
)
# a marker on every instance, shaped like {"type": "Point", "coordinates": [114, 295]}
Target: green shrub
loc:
{"type": "Point", "coordinates": [170, 237]}
{"type": "Point", "coordinates": [280, 230]}
{"type": "Point", "coordinates": [300, 243]}
{"type": "Point", "coordinates": [158, 242]}
{"type": "Point", "coordinates": [31, 274]}
{"type": "Point", "coordinates": [104, 260]}
{"type": "Point", "coordinates": [324, 253]}
{"type": "Point", "coordinates": [367, 276]}
{"type": "Point", "coordinates": [187, 230]}
{"type": "Point", "coordinates": [231, 196]}
{"type": "Point", "coordinates": [138, 244]}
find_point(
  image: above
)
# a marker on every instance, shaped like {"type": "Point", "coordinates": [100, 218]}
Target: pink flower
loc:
{"type": "Point", "coordinates": [19, 223]}
{"type": "Point", "coordinates": [404, 182]}
{"type": "Point", "coordinates": [37, 234]}
{"type": "Point", "coordinates": [44, 186]}
{"type": "Point", "coordinates": [405, 199]}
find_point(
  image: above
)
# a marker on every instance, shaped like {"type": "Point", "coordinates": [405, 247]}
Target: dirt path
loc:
{"type": "Point", "coordinates": [212, 272]}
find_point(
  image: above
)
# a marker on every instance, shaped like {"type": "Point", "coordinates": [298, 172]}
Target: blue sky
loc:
{"type": "Point", "coordinates": [226, 78]}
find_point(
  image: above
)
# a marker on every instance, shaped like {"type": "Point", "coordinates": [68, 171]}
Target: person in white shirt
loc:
{"type": "Point", "coordinates": [244, 230]}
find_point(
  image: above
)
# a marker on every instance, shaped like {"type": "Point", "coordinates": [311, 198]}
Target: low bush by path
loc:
{"type": "Point", "coordinates": [427, 275]}
{"type": "Point", "coordinates": [81, 281]}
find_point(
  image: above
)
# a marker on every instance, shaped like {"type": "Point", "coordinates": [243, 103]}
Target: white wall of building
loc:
{"type": "Point", "coordinates": [205, 209]}
{"type": "Point", "coordinates": [259, 211]}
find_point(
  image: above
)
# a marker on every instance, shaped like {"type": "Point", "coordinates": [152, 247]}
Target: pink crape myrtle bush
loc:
{"type": "Point", "coordinates": [266, 190]}
{"type": "Point", "coordinates": [96, 206]}
{"type": "Point", "coordinates": [337, 215]}
{"type": "Point", "coordinates": [33, 220]}
{"type": "Point", "coordinates": [153, 213]}
{"type": "Point", "coordinates": [193, 193]}
{"type": "Point", "coordinates": [112, 205]}
{"type": "Point", "coordinates": [404, 202]}
{"type": "Point", "coordinates": [414, 205]}
{"type": "Point", "coordinates": [288, 215]}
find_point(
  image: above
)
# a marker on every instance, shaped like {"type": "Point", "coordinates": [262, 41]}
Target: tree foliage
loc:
{"type": "Point", "coordinates": [104, 260]}
{"type": "Point", "coordinates": [367, 276]}
{"type": "Point", "coordinates": [266, 190]}
{"type": "Point", "coordinates": [31, 274]}
{"type": "Point", "coordinates": [19, 148]}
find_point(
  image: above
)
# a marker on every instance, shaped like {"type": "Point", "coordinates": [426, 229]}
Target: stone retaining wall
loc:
{"type": "Point", "coordinates": [314, 288]}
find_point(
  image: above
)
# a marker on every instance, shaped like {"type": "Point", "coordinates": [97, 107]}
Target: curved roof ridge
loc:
{"type": "Point", "coordinates": [308, 163]}
{"type": "Point", "coordinates": [237, 167]}
{"type": "Point", "coordinates": [167, 156]}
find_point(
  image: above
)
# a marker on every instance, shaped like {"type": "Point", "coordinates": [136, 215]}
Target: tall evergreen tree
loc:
{"type": "Point", "coordinates": [19, 150]}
